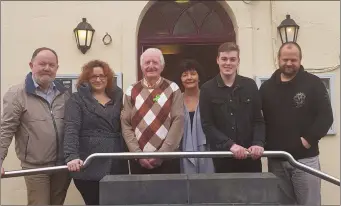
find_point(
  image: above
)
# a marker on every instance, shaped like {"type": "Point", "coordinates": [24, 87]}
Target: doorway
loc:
{"type": "Point", "coordinates": [193, 29]}
{"type": "Point", "coordinates": [204, 54]}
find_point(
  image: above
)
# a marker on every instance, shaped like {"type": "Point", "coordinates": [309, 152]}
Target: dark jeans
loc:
{"type": "Point", "coordinates": [230, 165]}
{"type": "Point", "coordinates": [89, 191]}
{"type": "Point", "coordinates": [169, 166]}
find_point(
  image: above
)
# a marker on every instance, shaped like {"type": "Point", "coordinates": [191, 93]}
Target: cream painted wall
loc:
{"type": "Point", "coordinates": [28, 25]}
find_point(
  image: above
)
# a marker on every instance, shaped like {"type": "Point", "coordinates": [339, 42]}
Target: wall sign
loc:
{"type": "Point", "coordinates": [69, 81]}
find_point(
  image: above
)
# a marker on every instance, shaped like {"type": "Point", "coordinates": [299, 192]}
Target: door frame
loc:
{"type": "Point", "coordinates": [209, 40]}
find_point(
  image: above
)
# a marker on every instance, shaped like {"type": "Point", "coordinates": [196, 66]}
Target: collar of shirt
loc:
{"type": "Point", "coordinates": [236, 83]}
{"type": "Point", "coordinates": [145, 82]}
{"type": "Point", "coordinates": [52, 86]}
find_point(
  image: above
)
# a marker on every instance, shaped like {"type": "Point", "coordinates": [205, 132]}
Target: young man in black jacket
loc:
{"type": "Point", "coordinates": [230, 108]}
{"type": "Point", "coordinates": [297, 113]}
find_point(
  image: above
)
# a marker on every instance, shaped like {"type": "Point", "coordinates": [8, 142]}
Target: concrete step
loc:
{"type": "Point", "coordinates": [216, 204]}
{"type": "Point", "coordinates": [196, 189]}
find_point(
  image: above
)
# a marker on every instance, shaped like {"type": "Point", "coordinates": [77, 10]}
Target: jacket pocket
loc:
{"type": "Point", "coordinates": [246, 104]}
{"type": "Point", "coordinates": [295, 144]}
{"type": "Point", "coordinates": [22, 145]}
{"type": "Point", "coordinates": [219, 108]}
{"type": "Point", "coordinates": [246, 101]}
{"type": "Point", "coordinates": [41, 144]}
{"type": "Point", "coordinates": [27, 146]}
{"type": "Point", "coordinates": [218, 101]}
{"type": "Point", "coordinates": [29, 151]}
{"type": "Point", "coordinates": [218, 105]}
{"type": "Point", "coordinates": [303, 147]}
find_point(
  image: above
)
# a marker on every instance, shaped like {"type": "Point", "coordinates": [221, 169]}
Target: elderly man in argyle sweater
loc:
{"type": "Point", "coordinates": [152, 117]}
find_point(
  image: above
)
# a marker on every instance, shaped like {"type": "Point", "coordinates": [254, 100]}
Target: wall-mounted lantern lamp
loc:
{"type": "Point", "coordinates": [84, 34]}
{"type": "Point", "coordinates": [288, 30]}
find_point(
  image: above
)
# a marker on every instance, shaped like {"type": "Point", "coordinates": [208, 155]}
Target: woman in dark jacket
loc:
{"type": "Point", "coordinates": [92, 125]}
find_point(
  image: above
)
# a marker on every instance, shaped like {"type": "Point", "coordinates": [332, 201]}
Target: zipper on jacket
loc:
{"type": "Point", "coordinates": [55, 128]}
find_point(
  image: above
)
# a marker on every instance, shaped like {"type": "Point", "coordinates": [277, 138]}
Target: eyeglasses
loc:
{"type": "Point", "coordinates": [101, 77]}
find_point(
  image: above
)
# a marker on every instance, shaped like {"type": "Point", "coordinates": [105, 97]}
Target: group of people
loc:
{"type": "Point", "coordinates": [290, 112]}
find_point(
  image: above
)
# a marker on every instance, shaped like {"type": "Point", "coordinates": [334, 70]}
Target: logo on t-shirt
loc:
{"type": "Point", "coordinates": [299, 99]}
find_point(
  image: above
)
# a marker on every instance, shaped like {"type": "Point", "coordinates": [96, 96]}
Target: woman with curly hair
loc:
{"type": "Point", "coordinates": [92, 125]}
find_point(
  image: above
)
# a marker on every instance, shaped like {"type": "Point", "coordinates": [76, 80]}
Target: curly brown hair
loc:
{"type": "Point", "coordinates": [87, 69]}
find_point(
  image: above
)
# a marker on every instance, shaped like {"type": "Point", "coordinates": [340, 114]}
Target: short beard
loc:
{"type": "Point", "coordinates": [41, 83]}
{"type": "Point", "coordinates": [288, 74]}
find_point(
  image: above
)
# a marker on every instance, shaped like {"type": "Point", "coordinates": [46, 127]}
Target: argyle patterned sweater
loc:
{"type": "Point", "coordinates": [152, 117]}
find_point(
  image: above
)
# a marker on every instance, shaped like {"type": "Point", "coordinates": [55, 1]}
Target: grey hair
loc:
{"type": "Point", "coordinates": [162, 59]}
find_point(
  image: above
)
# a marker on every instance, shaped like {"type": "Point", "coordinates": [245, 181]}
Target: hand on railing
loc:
{"type": "Point", "coordinates": [256, 151]}
{"type": "Point", "coordinates": [239, 152]}
{"type": "Point", "coordinates": [2, 171]}
{"type": "Point", "coordinates": [75, 165]}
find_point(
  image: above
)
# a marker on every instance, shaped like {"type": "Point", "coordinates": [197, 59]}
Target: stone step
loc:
{"type": "Point", "coordinates": [215, 204]}
{"type": "Point", "coordinates": [196, 189]}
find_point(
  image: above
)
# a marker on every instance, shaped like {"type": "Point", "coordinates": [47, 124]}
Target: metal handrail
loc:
{"type": "Point", "coordinates": [208, 154]}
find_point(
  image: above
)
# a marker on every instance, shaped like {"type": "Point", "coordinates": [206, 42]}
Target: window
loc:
{"type": "Point", "coordinates": [196, 18]}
